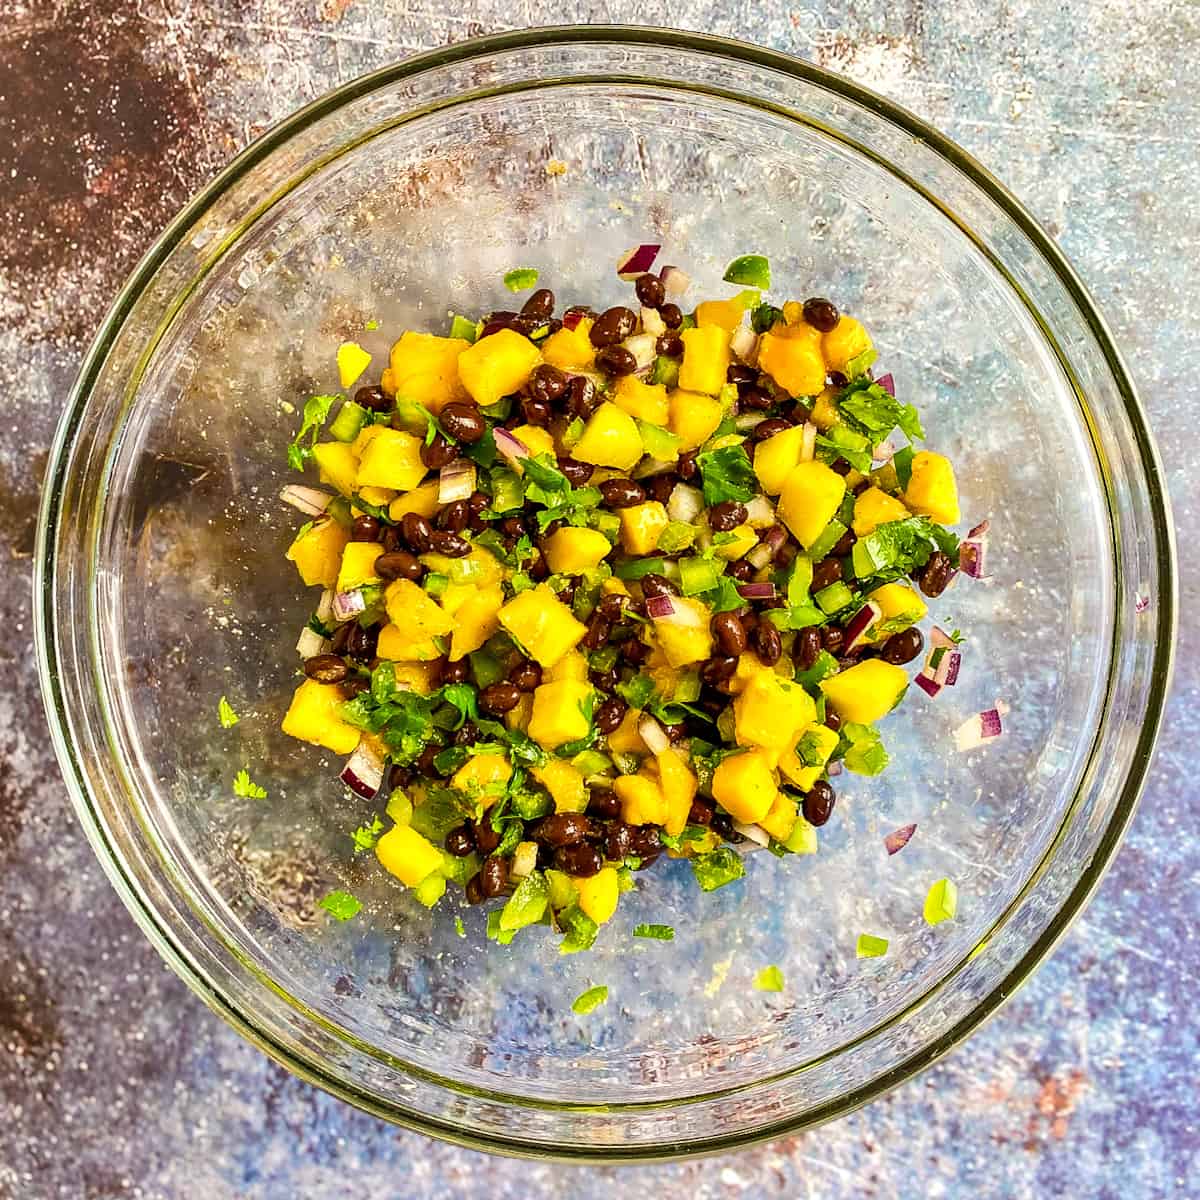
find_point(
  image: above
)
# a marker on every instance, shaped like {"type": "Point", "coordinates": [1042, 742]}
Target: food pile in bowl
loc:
{"type": "Point", "coordinates": [604, 585]}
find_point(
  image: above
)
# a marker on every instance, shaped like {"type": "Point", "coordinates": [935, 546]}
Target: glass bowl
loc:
{"type": "Point", "coordinates": [162, 586]}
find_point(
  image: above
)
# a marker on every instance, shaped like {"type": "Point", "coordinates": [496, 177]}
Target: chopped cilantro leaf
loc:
{"type": "Point", "coordinates": [341, 905]}
{"type": "Point", "coordinates": [902, 462]}
{"type": "Point", "coordinates": [769, 979]}
{"type": "Point", "coordinates": [243, 786]}
{"type": "Point", "coordinates": [580, 930]}
{"type": "Point", "coordinates": [661, 933]}
{"type": "Point", "coordinates": [862, 749]}
{"type": "Point", "coordinates": [590, 1000]}
{"type": "Point", "coordinates": [727, 475]}
{"type": "Point", "coordinates": [520, 279]}
{"type": "Point", "coordinates": [365, 836]}
{"type": "Point", "coordinates": [872, 411]}
{"type": "Point", "coordinates": [527, 905]}
{"type": "Point", "coordinates": [316, 413]}
{"type": "Point", "coordinates": [764, 317]}
{"type": "Point", "coordinates": [824, 666]}
{"type": "Point", "coordinates": [717, 868]}
{"type": "Point", "coordinates": [892, 550]}
{"type": "Point", "coordinates": [225, 714]}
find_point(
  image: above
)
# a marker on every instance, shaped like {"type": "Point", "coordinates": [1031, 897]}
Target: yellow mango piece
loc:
{"type": "Point", "coordinates": [642, 800]}
{"type": "Point", "coordinates": [932, 490]}
{"type": "Point", "coordinates": [317, 551]}
{"type": "Point", "coordinates": [598, 894]}
{"type": "Point", "coordinates": [866, 691]}
{"type": "Point", "coordinates": [337, 465]}
{"type": "Point", "coordinates": [398, 646]}
{"type": "Point", "coordinates": [744, 786]}
{"type": "Point", "coordinates": [542, 625]}
{"type": "Point", "coordinates": [725, 314]}
{"type": "Point", "coordinates": [558, 712]}
{"type": "Point", "coordinates": [380, 497]}
{"type": "Point", "coordinates": [792, 358]}
{"type": "Point", "coordinates": [422, 500]}
{"type": "Point", "coordinates": [775, 457]}
{"type": "Point", "coordinates": [352, 361]}
{"type": "Point", "coordinates": [573, 550]}
{"type": "Point", "coordinates": [535, 439]}
{"type": "Point", "coordinates": [482, 567]}
{"type": "Point", "coordinates": [482, 777]}
{"type": "Point", "coordinates": [424, 368]}
{"type": "Point", "coordinates": [610, 439]}
{"type": "Point", "coordinates": [899, 605]}
{"type": "Point", "coordinates": [846, 340]}
{"type": "Point", "coordinates": [648, 401]}
{"type": "Point", "coordinates": [392, 459]}
{"type": "Point", "coordinates": [770, 711]}
{"type": "Point", "coordinates": [819, 743]}
{"type": "Point", "coordinates": [625, 739]}
{"type": "Point", "coordinates": [365, 436]}
{"type": "Point", "coordinates": [873, 508]}
{"type": "Point", "coordinates": [564, 783]}
{"type": "Point", "coordinates": [476, 619]}
{"type": "Point", "coordinates": [683, 644]}
{"type": "Point", "coordinates": [705, 359]}
{"type": "Point", "coordinates": [315, 716]}
{"type": "Point", "coordinates": [678, 788]}
{"type": "Point", "coordinates": [497, 365]}
{"type": "Point", "coordinates": [693, 417]}
{"type": "Point", "coordinates": [415, 611]}
{"type": "Point", "coordinates": [571, 349]}
{"type": "Point", "coordinates": [419, 677]}
{"type": "Point", "coordinates": [358, 565]}
{"type": "Point", "coordinates": [641, 525]}
{"type": "Point", "coordinates": [793, 312]}
{"type": "Point", "coordinates": [408, 855]}
{"type": "Point", "coordinates": [745, 538]}
{"type": "Point", "coordinates": [810, 497]}
{"type": "Point", "coordinates": [572, 665]}
{"type": "Point", "coordinates": [781, 819]}
{"type": "Point", "coordinates": [749, 665]}
{"type": "Point", "coordinates": [824, 412]}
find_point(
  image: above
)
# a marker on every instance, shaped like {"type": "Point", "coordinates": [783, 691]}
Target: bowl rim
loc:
{"type": "Point", "coordinates": [712, 46]}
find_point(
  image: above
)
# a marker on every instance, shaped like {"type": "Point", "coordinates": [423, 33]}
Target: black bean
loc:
{"type": "Point", "coordinates": [937, 574]}
{"type": "Point", "coordinates": [621, 493]}
{"type": "Point", "coordinates": [686, 466]}
{"type": "Point", "coordinates": [808, 646]}
{"type": "Point", "coordinates": [459, 842]}
{"type": "Point", "coordinates": [399, 564]}
{"type": "Point", "coordinates": [438, 453]}
{"type": "Point", "coordinates": [326, 668]}
{"type": "Point", "coordinates": [562, 829]}
{"type": "Point", "coordinates": [844, 544]}
{"type": "Point", "coordinates": [474, 889]}
{"type": "Point", "coordinates": [903, 647]}
{"type": "Point", "coordinates": [616, 360]}
{"type": "Point", "coordinates": [455, 516]}
{"type": "Point", "coordinates": [740, 374]}
{"type": "Point", "coordinates": [548, 383]}
{"type": "Point", "coordinates": [613, 605]}
{"type": "Point", "coordinates": [603, 803]}
{"type": "Point", "coordinates": [767, 643]}
{"type": "Point", "coordinates": [618, 840]}
{"type": "Point", "coordinates": [660, 487]}
{"type": "Point", "coordinates": [826, 572]}
{"type": "Point", "coordinates": [512, 527]}
{"type": "Point", "coordinates": [820, 313]}
{"type": "Point", "coordinates": [650, 291]}
{"type": "Point", "coordinates": [701, 812]}
{"type": "Point", "coordinates": [656, 585]}
{"type": "Point", "coordinates": [539, 306]}
{"type": "Point", "coordinates": [717, 669]}
{"type": "Point", "coordinates": [832, 638]}
{"type": "Point", "coordinates": [799, 413]}
{"type": "Point", "coordinates": [769, 428]}
{"type": "Point", "coordinates": [755, 400]}
{"type": "Point", "coordinates": [372, 398]}
{"type": "Point", "coordinates": [526, 676]}
{"type": "Point", "coordinates": [362, 642]}
{"type": "Point", "coordinates": [463, 422]}
{"type": "Point", "coordinates": [577, 473]}
{"type": "Point", "coordinates": [452, 545]}
{"type": "Point", "coordinates": [726, 516]}
{"type": "Point", "coordinates": [840, 467]}
{"type": "Point", "coordinates": [486, 838]}
{"type": "Point", "coordinates": [425, 763]}
{"type": "Point", "coordinates": [722, 825]}
{"type": "Point", "coordinates": [539, 569]}
{"type": "Point", "coordinates": [610, 714]}
{"type": "Point", "coordinates": [399, 777]}
{"type": "Point", "coordinates": [417, 531]}
{"type": "Point", "coordinates": [466, 734]}
{"type": "Point", "coordinates": [390, 539]}
{"type": "Point", "coordinates": [581, 861]}
{"type": "Point", "coordinates": [455, 671]}
{"type": "Point", "coordinates": [536, 412]}
{"type": "Point", "coordinates": [366, 529]}
{"type": "Point", "coordinates": [493, 876]}
{"type": "Point", "coordinates": [740, 570]}
{"type": "Point", "coordinates": [355, 687]}
{"type": "Point", "coordinates": [634, 652]}
{"type": "Point", "coordinates": [818, 803]}
{"type": "Point", "coordinates": [606, 681]}
{"type": "Point", "coordinates": [669, 344]}
{"type": "Point", "coordinates": [728, 631]}
{"type": "Point", "coordinates": [499, 698]}
{"type": "Point", "coordinates": [672, 315]}
{"type": "Point", "coordinates": [676, 731]}
{"type": "Point", "coordinates": [583, 398]}
{"type": "Point", "coordinates": [478, 502]}
{"type": "Point", "coordinates": [832, 720]}
{"type": "Point", "coordinates": [598, 629]}
{"type": "Point", "coordinates": [612, 326]}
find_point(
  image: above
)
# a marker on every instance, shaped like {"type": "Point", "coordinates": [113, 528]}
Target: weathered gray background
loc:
{"type": "Point", "coordinates": [114, 1081]}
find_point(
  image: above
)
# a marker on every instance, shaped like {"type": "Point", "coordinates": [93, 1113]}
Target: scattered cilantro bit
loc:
{"type": "Point", "coordinates": [892, 550]}
{"type": "Point", "coordinates": [459, 927]}
{"type": "Point", "coordinates": [716, 869]}
{"type": "Point", "coordinates": [769, 979]}
{"type": "Point", "coordinates": [870, 410]}
{"type": "Point", "coordinates": [690, 833]}
{"type": "Point", "coordinates": [316, 413]}
{"type": "Point", "coordinates": [245, 787]}
{"type": "Point", "coordinates": [661, 933]}
{"type": "Point", "coordinates": [580, 930]}
{"type": "Point", "coordinates": [341, 905]}
{"type": "Point", "coordinates": [372, 324]}
{"type": "Point", "coordinates": [765, 317]}
{"type": "Point", "coordinates": [749, 270]}
{"type": "Point", "coordinates": [638, 691]}
{"type": "Point", "coordinates": [941, 903]}
{"type": "Point", "coordinates": [902, 462]}
{"type": "Point", "coordinates": [226, 715]}
{"type": "Point", "coordinates": [463, 327]}
{"type": "Point", "coordinates": [727, 475]}
{"type": "Point", "coordinates": [590, 1000]}
{"type": "Point", "coordinates": [666, 371]}
{"type": "Point", "coordinates": [365, 836]}
{"type": "Point", "coordinates": [527, 905]}
{"type": "Point", "coordinates": [870, 946]}
{"type": "Point", "coordinates": [520, 279]}
{"type": "Point", "coordinates": [862, 749]}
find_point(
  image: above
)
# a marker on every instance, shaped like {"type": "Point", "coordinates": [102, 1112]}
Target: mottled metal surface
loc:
{"type": "Point", "coordinates": [114, 1080]}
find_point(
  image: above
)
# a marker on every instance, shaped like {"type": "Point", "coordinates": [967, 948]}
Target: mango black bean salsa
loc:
{"type": "Point", "coordinates": [604, 585]}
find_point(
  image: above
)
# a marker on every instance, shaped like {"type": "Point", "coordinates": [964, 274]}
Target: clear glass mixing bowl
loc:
{"type": "Point", "coordinates": [163, 586]}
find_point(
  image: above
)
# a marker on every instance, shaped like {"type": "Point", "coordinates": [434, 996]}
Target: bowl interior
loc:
{"type": "Point", "coordinates": [422, 220]}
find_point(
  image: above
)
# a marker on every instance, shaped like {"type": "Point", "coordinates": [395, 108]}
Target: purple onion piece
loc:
{"type": "Point", "coordinates": [887, 383]}
{"type": "Point", "coordinates": [927, 684]}
{"type": "Point", "coordinates": [658, 607]}
{"type": "Point", "coordinates": [861, 622]}
{"type": "Point", "coordinates": [989, 723]}
{"type": "Point", "coordinates": [899, 838]}
{"type": "Point", "coordinates": [348, 604]}
{"type": "Point", "coordinates": [637, 261]}
{"type": "Point", "coordinates": [511, 448]}
{"type": "Point", "coordinates": [363, 772]}
{"type": "Point", "coordinates": [971, 555]}
{"type": "Point", "coordinates": [981, 530]}
{"type": "Point", "coordinates": [756, 591]}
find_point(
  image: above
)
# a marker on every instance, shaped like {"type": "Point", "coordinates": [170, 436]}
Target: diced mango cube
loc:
{"type": "Point", "coordinates": [932, 490]}
{"type": "Point", "coordinates": [678, 788]}
{"type": "Point", "coordinates": [598, 894]}
{"type": "Point", "coordinates": [497, 365]}
{"type": "Point", "coordinates": [642, 800]}
{"type": "Point", "coordinates": [816, 743]}
{"type": "Point", "coordinates": [424, 368]}
{"type": "Point", "coordinates": [479, 568]}
{"type": "Point", "coordinates": [392, 459]}
{"type": "Point", "coordinates": [535, 439]}
{"type": "Point", "coordinates": [640, 526]}
{"type": "Point", "coordinates": [317, 551]}
{"type": "Point", "coordinates": [693, 417]}
{"type": "Point", "coordinates": [811, 495]}
{"type": "Point", "coordinates": [725, 314]}
{"type": "Point", "coordinates": [419, 677]}
{"type": "Point", "coordinates": [558, 712]}
{"type": "Point", "coordinates": [648, 401]}
{"type": "Point", "coordinates": [744, 540]}
{"type": "Point", "coordinates": [380, 497]}
{"type": "Point", "coordinates": [483, 777]}
{"type": "Point", "coordinates": [685, 643]}
{"type": "Point", "coordinates": [706, 358]}
{"type": "Point", "coordinates": [899, 606]}
{"type": "Point", "coordinates": [875, 507]}
{"type": "Point", "coordinates": [571, 349]}
{"type": "Point", "coordinates": [415, 611]}
{"type": "Point", "coordinates": [408, 855]}
{"type": "Point", "coordinates": [564, 783]}
{"type": "Point", "coordinates": [610, 439]}
{"type": "Point", "coordinates": [770, 711]}
{"type": "Point", "coordinates": [542, 625]}
{"type": "Point", "coordinates": [846, 340]}
{"type": "Point", "coordinates": [572, 665]}
{"type": "Point", "coordinates": [744, 786]}
{"type": "Point", "coordinates": [422, 500]}
{"type": "Point", "coordinates": [358, 565]}
{"type": "Point", "coordinates": [573, 550]}
{"type": "Point", "coordinates": [352, 361]}
{"type": "Point", "coordinates": [776, 456]}
{"type": "Point", "coordinates": [365, 436]}
{"type": "Point", "coordinates": [792, 357]}
{"type": "Point", "coordinates": [625, 739]}
{"type": "Point", "coordinates": [315, 716]}
{"type": "Point", "coordinates": [476, 619]}
{"type": "Point", "coordinates": [337, 465]}
{"type": "Point", "coordinates": [781, 819]}
{"type": "Point", "coordinates": [397, 646]}
{"type": "Point", "coordinates": [824, 411]}
{"type": "Point", "coordinates": [866, 691]}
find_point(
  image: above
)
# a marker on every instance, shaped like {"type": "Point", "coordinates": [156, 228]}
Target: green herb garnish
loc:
{"type": "Point", "coordinates": [717, 868]}
{"type": "Point", "coordinates": [225, 714]}
{"type": "Point", "coordinates": [459, 927]}
{"type": "Point", "coordinates": [316, 412]}
{"type": "Point", "coordinates": [590, 1000]}
{"type": "Point", "coordinates": [520, 279]}
{"type": "Point", "coordinates": [862, 749]}
{"type": "Point", "coordinates": [243, 786]}
{"type": "Point", "coordinates": [365, 836]}
{"type": "Point", "coordinates": [727, 475]}
{"type": "Point", "coordinates": [875, 412]}
{"type": "Point", "coordinates": [660, 933]}
{"type": "Point", "coordinates": [341, 905]}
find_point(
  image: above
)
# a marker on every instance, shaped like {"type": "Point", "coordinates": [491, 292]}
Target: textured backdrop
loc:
{"type": "Point", "coordinates": [114, 1080]}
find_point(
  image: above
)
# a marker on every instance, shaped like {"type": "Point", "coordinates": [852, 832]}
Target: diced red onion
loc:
{"type": "Point", "coordinates": [971, 557]}
{"type": "Point", "coordinates": [511, 448]}
{"type": "Point", "coordinates": [641, 346]}
{"type": "Point", "coordinates": [883, 453]}
{"type": "Point", "coordinates": [766, 550]}
{"type": "Point", "coordinates": [981, 530]}
{"type": "Point", "coordinates": [524, 860]}
{"type": "Point", "coordinates": [685, 503]}
{"type": "Point", "coordinates": [652, 323]}
{"type": "Point", "coordinates": [658, 607]}
{"type": "Point", "coordinates": [756, 591]}
{"type": "Point", "coordinates": [1141, 603]}
{"type": "Point", "coordinates": [888, 384]}
{"type": "Point", "coordinates": [939, 637]}
{"type": "Point", "coordinates": [325, 607]}
{"type": "Point", "coordinates": [861, 622]}
{"type": "Point", "coordinates": [653, 734]}
{"type": "Point", "coordinates": [760, 513]}
{"type": "Point", "coordinates": [990, 725]}
{"type": "Point", "coordinates": [744, 422]}
{"type": "Point", "coordinates": [755, 833]}
{"type": "Point", "coordinates": [348, 604]}
{"type": "Point", "coordinates": [744, 343]}
{"type": "Point", "coordinates": [312, 502]}
{"type": "Point", "coordinates": [833, 769]}
{"type": "Point", "coordinates": [981, 728]}
{"type": "Point", "coordinates": [311, 643]}
{"type": "Point", "coordinates": [363, 772]}
{"type": "Point", "coordinates": [927, 684]}
{"type": "Point", "coordinates": [571, 320]}
{"type": "Point", "coordinates": [808, 443]}
{"type": "Point", "coordinates": [675, 280]}
{"type": "Point", "coordinates": [456, 481]}
{"type": "Point", "coordinates": [637, 261]}
{"type": "Point", "coordinates": [682, 614]}
{"type": "Point", "coordinates": [899, 838]}
{"type": "Point", "coordinates": [947, 670]}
